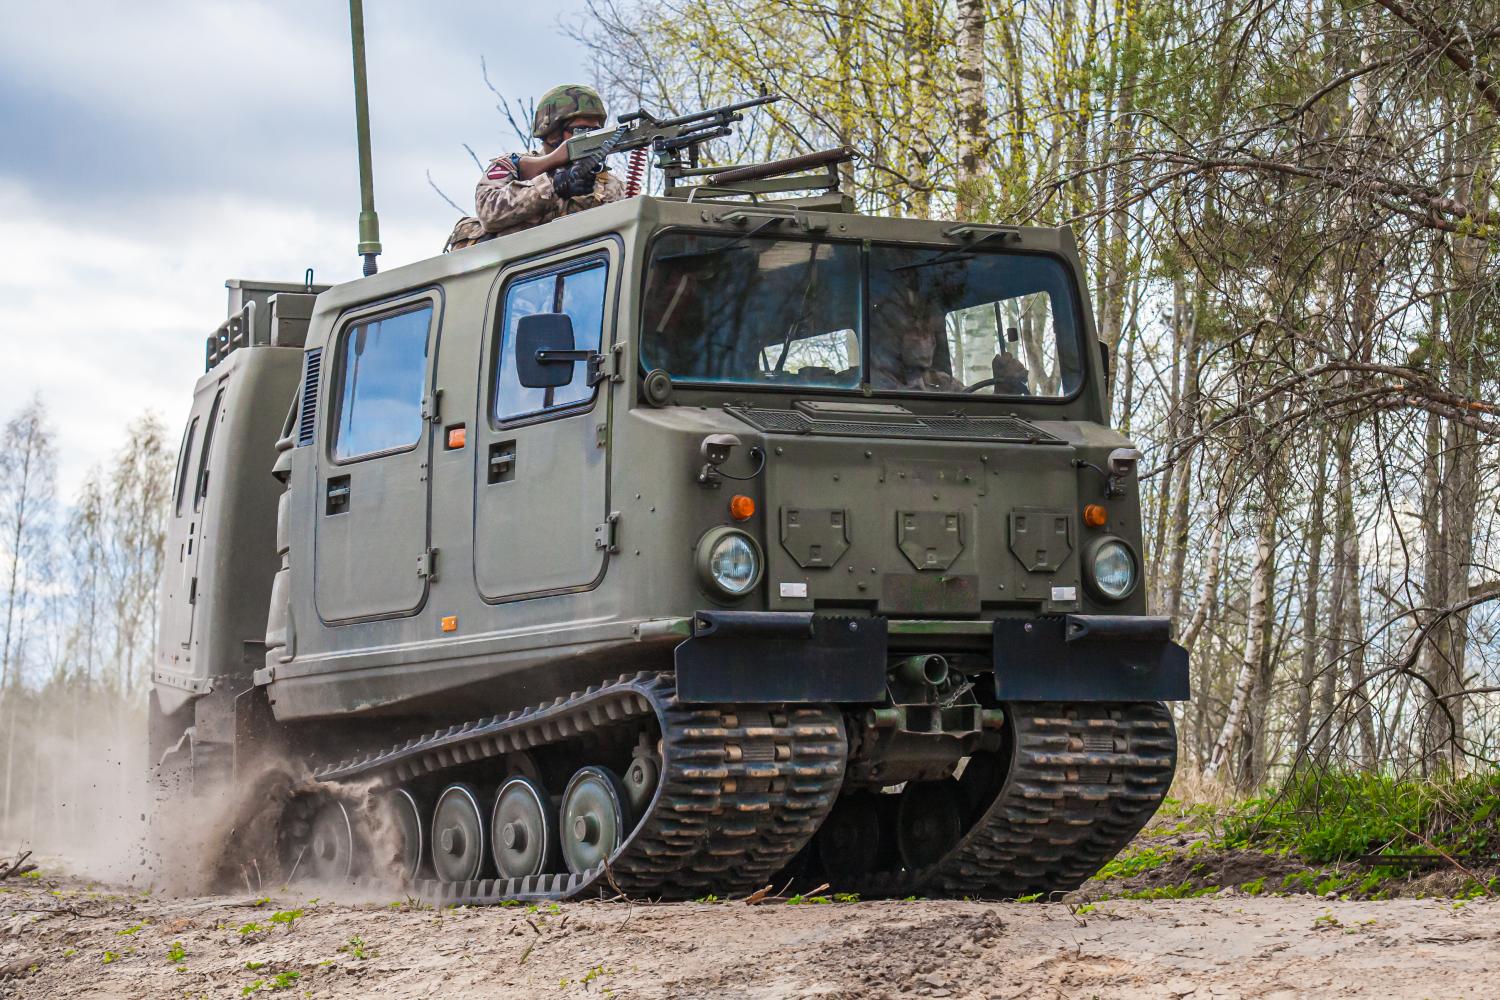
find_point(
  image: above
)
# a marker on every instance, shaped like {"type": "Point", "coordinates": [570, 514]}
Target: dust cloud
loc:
{"type": "Point", "coordinates": [74, 787]}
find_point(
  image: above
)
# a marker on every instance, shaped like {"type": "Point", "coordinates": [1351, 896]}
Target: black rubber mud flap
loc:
{"type": "Point", "coordinates": [781, 656]}
{"type": "Point", "coordinates": [1089, 658]}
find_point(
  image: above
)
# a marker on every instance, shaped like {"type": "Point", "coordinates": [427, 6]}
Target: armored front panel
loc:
{"type": "Point", "coordinates": [925, 527]}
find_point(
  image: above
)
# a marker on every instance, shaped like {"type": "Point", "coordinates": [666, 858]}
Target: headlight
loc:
{"type": "Point", "coordinates": [729, 561]}
{"type": "Point", "coordinates": [1111, 569]}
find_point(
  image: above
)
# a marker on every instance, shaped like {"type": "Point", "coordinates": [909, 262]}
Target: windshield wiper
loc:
{"type": "Point", "coordinates": [738, 244]}
{"type": "Point", "coordinates": [942, 257]}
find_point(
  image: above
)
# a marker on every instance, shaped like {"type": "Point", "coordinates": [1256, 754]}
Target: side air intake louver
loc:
{"type": "Point", "coordinates": [309, 396]}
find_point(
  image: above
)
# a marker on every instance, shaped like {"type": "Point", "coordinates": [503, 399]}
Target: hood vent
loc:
{"type": "Point", "coordinates": [957, 427]}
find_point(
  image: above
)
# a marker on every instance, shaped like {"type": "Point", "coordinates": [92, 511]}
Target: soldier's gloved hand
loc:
{"type": "Point", "coordinates": [576, 179]}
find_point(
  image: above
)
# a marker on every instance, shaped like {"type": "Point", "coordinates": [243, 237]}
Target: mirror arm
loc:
{"type": "Point", "coordinates": [597, 372]}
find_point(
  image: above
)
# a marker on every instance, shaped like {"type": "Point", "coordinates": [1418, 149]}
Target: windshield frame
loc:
{"type": "Point", "coordinates": [1082, 322]}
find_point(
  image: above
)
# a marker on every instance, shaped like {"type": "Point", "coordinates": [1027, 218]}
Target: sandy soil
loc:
{"type": "Point", "coordinates": [64, 937]}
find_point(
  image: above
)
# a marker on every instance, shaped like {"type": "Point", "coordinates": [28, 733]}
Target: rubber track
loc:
{"type": "Point", "coordinates": [1084, 778]}
{"type": "Point", "coordinates": [742, 789]}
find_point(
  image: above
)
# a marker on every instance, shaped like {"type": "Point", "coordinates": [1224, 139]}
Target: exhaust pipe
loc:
{"type": "Point", "coordinates": [929, 668]}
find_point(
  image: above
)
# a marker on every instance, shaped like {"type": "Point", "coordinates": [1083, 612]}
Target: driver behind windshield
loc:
{"type": "Point", "coordinates": [909, 349]}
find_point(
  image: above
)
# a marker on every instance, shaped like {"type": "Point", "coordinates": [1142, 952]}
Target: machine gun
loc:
{"type": "Point", "coordinates": [668, 138]}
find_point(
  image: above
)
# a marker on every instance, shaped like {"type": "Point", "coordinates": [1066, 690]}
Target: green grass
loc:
{"type": "Point", "coordinates": [1134, 863]}
{"type": "Point", "coordinates": [1182, 890]}
{"type": "Point", "coordinates": [287, 917]}
{"type": "Point", "coordinates": [356, 947]}
{"type": "Point", "coordinates": [1330, 816]}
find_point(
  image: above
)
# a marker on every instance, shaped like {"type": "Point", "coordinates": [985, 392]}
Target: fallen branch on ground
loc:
{"type": "Point", "coordinates": [17, 867]}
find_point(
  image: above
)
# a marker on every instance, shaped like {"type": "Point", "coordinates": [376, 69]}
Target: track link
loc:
{"type": "Point", "coordinates": [1083, 779]}
{"type": "Point", "coordinates": [742, 789]}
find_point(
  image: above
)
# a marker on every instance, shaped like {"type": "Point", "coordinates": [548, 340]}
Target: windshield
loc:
{"type": "Point", "coordinates": [751, 310]}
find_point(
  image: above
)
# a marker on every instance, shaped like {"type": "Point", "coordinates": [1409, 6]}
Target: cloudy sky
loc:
{"type": "Point", "coordinates": [149, 151]}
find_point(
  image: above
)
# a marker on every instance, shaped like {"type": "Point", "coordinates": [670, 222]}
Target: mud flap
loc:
{"type": "Point", "coordinates": [781, 656]}
{"type": "Point", "coordinates": [1089, 658]}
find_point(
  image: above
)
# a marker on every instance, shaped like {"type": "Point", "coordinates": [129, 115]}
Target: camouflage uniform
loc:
{"type": "Point", "coordinates": [503, 203]}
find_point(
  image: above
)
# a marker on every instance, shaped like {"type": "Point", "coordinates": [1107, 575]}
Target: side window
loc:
{"type": "Point", "coordinates": [1013, 341]}
{"type": "Point", "coordinates": [382, 370]}
{"type": "Point", "coordinates": [578, 291]}
{"type": "Point", "coordinates": [201, 490]}
{"type": "Point", "coordinates": [184, 459]}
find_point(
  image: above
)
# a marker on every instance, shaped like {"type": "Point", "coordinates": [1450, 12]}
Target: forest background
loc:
{"type": "Point", "coordinates": [1290, 216]}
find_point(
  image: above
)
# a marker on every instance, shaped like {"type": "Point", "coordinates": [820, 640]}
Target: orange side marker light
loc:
{"type": "Point", "coordinates": [1095, 516]}
{"type": "Point", "coordinates": [450, 623]}
{"type": "Point", "coordinates": [457, 437]}
{"type": "Point", "coordinates": [741, 507]}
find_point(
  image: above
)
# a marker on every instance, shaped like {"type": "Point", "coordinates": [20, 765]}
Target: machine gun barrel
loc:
{"type": "Point", "coordinates": [640, 128]}
{"type": "Point", "coordinates": [713, 113]}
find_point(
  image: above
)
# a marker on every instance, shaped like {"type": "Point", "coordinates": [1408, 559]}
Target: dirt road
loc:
{"type": "Point", "coordinates": [63, 937]}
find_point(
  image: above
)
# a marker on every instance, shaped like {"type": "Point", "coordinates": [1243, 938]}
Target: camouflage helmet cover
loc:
{"type": "Point", "coordinates": [562, 103]}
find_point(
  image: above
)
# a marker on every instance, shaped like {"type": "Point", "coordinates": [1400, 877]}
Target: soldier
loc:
{"type": "Point", "coordinates": [908, 334]}
{"type": "Point", "coordinates": [517, 191]}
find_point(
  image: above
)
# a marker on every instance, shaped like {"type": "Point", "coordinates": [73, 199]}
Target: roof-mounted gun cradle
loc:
{"type": "Point", "coordinates": [795, 173]}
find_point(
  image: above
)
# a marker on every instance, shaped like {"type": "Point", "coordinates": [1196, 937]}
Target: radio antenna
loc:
{"type": "Point", "coordinates": [369, 222]}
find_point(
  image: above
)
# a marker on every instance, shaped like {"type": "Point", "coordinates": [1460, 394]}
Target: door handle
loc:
{"type": "Point", "coordinates": [338, 495]}
{"type": "Point", "coordinates": [502, 458]}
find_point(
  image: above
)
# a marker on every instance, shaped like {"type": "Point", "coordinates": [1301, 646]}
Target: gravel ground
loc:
{"type": "Point", "coordinates": [67, 937]}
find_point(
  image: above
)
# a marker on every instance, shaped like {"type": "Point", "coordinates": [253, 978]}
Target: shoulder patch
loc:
{"type": "Point", "coordinates": [500, 170]}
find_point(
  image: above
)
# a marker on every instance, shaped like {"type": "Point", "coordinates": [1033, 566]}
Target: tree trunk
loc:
{"type": "Point", "coordinates": [1311, 643]}
{"type": "Point", "coordinates": [1184, 420]}
{"type": "Point", "coordinates": [973, 114]}
{"type": "Point", "coordinates": [1257, 613]}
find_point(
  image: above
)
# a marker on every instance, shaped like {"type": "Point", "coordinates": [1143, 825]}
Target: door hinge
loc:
{"type": "Point", "coordinates": [427, 565]}
{"type": "Point", "coordinates": [606, 366]}
{"type": "Point", "coordinates": [432, 406]}
{"type": "Point", "coordinates": [606, 534]}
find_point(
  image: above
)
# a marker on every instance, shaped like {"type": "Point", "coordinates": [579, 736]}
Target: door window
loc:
{"type": "Point", "coordinates": [381, 376]}
{"type": "Point", "coordinates": [201, 490]}
{"type": "Point", "coordinates": [184, 460]}
{"type": "Point", "coordinates": [578, 291]}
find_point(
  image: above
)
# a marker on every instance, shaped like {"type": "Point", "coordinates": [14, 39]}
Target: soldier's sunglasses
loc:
{"type": "Point", "coordinates": [569, 129]}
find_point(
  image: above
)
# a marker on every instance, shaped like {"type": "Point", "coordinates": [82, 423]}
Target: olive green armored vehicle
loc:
{"type": "Point", "coordinates": [670, 548]}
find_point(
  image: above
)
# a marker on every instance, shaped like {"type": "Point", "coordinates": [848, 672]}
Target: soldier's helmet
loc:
{"type": "Point", "coordinates": [557, 105]}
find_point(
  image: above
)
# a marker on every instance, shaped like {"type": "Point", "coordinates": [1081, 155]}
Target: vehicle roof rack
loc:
{"type": "Point", "coordinates": [815, 172]}
{"type": "Point", "coordinates": [273, 313]}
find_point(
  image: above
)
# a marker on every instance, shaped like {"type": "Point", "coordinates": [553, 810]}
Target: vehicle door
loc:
{"type": "Point", "coordinates": [180, 598]}
{"type": "Point", "coordinates": [541, 519]}
{"type": "Point", "coordinates": [371, 546]}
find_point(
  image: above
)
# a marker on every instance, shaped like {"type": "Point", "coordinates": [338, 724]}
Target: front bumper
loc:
{"type": "Point", "coordinates": [1089, 658]}
{"type": "Point", "coordinates": [763, 657]}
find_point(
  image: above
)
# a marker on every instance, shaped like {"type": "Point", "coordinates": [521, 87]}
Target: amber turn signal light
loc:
{"type": "Point", "coordinates": [457, 437]}
{"type": "Point", "coordinates": [741, 507]}
{"type": "Point", "coordinates": [449, 623]}
{"type": "Point", "coordinates": [1095, 516]}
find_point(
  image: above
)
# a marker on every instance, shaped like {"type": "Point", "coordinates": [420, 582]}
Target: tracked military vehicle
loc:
{"type": "Point", "coordinates": [670, 548]}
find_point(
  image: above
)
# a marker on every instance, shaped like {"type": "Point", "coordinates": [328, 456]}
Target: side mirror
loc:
{"type": "Point", "coordinates": [1104, 356]}
{"type": "Point", "coordinates": [544, 351]}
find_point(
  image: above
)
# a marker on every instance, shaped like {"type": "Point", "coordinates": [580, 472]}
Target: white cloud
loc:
{"type": "Point", "coordinates": [154, 150]}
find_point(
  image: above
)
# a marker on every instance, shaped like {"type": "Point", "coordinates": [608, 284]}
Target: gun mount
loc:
{"type": "Point", "coordinates": [677, 144]}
